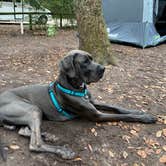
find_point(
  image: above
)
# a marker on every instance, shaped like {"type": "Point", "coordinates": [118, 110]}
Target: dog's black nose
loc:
{"type": "Point", "coordinates": [101, 69]}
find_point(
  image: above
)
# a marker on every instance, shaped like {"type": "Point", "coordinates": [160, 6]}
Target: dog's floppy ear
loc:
{"type": "Point", "coordinates": [67, 66]}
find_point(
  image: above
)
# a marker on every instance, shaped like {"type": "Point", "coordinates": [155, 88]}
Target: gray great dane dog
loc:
{"type": "Point", "coordinates": [62, 100]}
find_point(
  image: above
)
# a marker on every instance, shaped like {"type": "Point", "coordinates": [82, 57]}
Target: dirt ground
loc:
{"type": "Point", "coordinates": [139, 82]}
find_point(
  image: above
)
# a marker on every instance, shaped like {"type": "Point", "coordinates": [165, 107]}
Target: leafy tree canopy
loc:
{"type": "Point", "coordinates": [55, 6]}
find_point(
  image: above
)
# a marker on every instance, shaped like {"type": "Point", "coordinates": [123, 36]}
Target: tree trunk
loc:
{"type": "Point", "coordinates": [92, 32]}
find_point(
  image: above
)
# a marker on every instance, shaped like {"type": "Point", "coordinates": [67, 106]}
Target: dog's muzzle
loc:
{"type": "Point", "coordinates": [100, 70]}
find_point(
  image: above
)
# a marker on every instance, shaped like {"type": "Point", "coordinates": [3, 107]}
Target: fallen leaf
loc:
{"type": "Point", "coordinates": [142, 153]}
{"type": "Point", "coordinates": [14, 147]}
{"type": "Point", "coordinates": [78, 159]}
{"type": "Point", "coordinates": [112, 123]}
{"type": "Point", "coordinates": [135, 164]}
{"type": "Point", "coordinates": [136, 128]}
{"type": "Point", "coordinates": [164, 147]}
{"type": "Point", "coordinates": [142, 164]}
{"type": "Point", "coordinates": [125, 154]}
{"type": "Point", "coordinates": [131, 147]}
{"type": "Point", "coordinates": [126, 138]}
{"type": "Point", "coordinates": [158, 151]}
{"type": "Point", "coordinates": [151, 142]}
{"type": "Point", "coordinates": [162, 119]}
{"type": "Point", "coordinates": [159, 133]}
{"type": "Point", "coordinates": [164, 132]}
{"type": "Point", "coordinates": [133, 132]}
{"type": "Point", "coordinates": [103, 150]}
{"type": "Point", "coordinates": [109, 88]}
{"type": "Point", "coordinates": [111, 153]}
{"type": "Point", "coordinates": [124, 126]}
{"type": "Point", "coordinates": [98, 124]}
{"type": "Point", "coordinates": [90, 147]}
{"type": "Point", "coordinates": [95, 134]}
{"type": "Point", "coordinates": [94, 131]}
{"type": "Point", "coordinates": [149, 151]}
{"type": "Point", "coordinates": [99, 97]}
{"type": "Point", "coordinates": [124, 164]}
{"type": "Point", "coordinates": [163, 159]}
{"type": "Point", "coordinates": [140, 106]}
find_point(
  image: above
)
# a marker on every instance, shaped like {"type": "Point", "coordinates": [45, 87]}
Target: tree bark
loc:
{"type": "Point", "coordinates": [92, 33]}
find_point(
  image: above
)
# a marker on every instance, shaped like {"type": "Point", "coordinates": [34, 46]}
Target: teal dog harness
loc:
{"type": "Point", "coordinates": [51, 91]}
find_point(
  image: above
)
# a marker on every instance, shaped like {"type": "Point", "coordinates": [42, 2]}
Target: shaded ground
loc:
{"type": "Point", "coordinates": [138, 83]}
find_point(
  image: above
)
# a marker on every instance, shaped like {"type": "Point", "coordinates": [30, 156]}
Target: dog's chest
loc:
{"type": "Point", "coordinates": [50, 111]}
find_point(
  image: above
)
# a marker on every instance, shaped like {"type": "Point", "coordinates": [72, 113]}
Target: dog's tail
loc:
{"type": "Point", "coordinates": [3, 152]}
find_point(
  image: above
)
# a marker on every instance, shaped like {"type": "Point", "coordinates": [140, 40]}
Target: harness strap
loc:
{"type": "Point", "coordinates": [71, 92]}
{"type": "Point", "coordinates": [56, 104]}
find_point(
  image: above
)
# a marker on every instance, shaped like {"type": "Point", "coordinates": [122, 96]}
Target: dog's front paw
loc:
{"type": "Point", "coordinates": [147, 118]}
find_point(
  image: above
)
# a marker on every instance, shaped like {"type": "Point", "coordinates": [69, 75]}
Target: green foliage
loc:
{"type": "Point", "coordinates": [63, 7]}
{"type": "Point", "coordinates": [34, 3]}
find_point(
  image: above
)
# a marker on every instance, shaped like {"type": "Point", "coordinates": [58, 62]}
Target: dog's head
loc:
{"type": "Point", "coordinates": [79, 64]}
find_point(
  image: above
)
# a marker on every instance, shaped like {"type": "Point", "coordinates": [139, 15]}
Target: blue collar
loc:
{"type": "Point", "coordinates": [71, 92]}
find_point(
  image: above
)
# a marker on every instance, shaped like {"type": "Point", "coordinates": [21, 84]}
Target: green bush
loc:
{"type": "Point", "coordinates": [61, 7]}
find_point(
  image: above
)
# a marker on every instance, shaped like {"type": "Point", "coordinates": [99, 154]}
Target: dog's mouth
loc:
{"type": "Point", "coordinates": [99, 76]}
{"type": "Point", "coordinates": [95, 77]}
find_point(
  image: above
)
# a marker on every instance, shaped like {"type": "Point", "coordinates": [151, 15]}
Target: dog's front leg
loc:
{"type": "Point", "coordinates": [144, 118]}
{"type": "Point", "coordinates": [115, 109]}
{"type": "Point", "coordinates": [89, 111]}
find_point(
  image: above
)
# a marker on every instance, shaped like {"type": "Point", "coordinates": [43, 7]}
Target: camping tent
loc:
{"type": "Point", "coordinates": [139, 22]}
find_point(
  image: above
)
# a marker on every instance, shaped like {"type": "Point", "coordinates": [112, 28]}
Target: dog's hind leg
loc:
{"type": "Point", "coordinates": [22, 113]}
{"type": "Point", "coordinates": [36, 143]}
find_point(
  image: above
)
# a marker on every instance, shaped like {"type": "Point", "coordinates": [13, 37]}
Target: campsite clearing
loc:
{"type": "Point", "coordinates": [139, 82]}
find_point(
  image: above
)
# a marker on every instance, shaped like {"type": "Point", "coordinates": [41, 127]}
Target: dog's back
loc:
{"type": "Point", "coordinates": [29, 93]}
